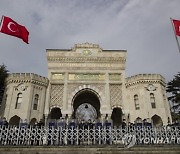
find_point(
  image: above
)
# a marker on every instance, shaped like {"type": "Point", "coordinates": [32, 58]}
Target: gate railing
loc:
{"type": "Point", "coordinates": [88, 136]}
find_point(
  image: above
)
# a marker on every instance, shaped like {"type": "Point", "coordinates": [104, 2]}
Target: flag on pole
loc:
{"type": "Point", "coordinates": [176, 24]}
{"type": "Point", "coordinates": [176, 28]}
{"type": "Point", "coordinates": [10, 27]}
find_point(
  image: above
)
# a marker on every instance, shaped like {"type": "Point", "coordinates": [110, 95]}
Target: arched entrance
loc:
{"type": "Point", "coordinates": [14, 121]}
{"type": "Point", "coordinates": [138, 120]}
{"type": "Point", "coordinates": [33, 121]}
{"type": "Point", "coordinates": [86, 105]}
{"type": "Point", "coordinates": [117, 116]}
{"type": "Point", "coordinates": [55, 113]}
{"type": "Point", "coordinates": [156, 121]}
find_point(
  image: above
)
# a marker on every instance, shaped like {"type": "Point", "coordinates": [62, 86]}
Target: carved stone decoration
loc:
{"type": "Point", "coordinates": [56, 98]}
{"type": "Point", "coordinates": [73, 89]}
{"type": "Point", "coordinates": [21, 87]}
{"type": "Point", "coordinates": [115, 94]}
{"type": "Point", "coordinates": [97, 87]}
{"type": "Point", "coordinates": [86, 45]}
{"type": "Point", "coordinates": [86, 77]}
{"type": "Point", "coordinates": [151, 87]}
{"type": "Point", "coordinates": [115, 76]}
{"type": "Point", "coordinates": [57, 76]}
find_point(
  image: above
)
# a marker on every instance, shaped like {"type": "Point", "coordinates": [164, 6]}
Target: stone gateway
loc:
{"type": "Point", "coordinates": [85, 83]}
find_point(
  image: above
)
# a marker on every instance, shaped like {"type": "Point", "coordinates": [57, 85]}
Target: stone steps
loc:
{"type": "Point", "coordinates": [155, 149]}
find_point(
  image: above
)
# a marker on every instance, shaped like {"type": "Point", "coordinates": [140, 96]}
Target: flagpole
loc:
{"type": "Point", "coordinates": [1, 22]}
{"type": "Point", "coordinates": [175, 34]}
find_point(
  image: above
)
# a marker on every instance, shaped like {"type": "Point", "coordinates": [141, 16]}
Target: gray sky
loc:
{"type": "Point", "coordinates": [142, 27]}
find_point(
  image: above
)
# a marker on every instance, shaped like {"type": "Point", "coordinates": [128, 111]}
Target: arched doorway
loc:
{"type": "Point", "coordinates": [55, 113]}
{"type": "Point", "coordinates": [33, 121]}
{"type": "Point", "coordinates": [138, 120]}
{"type": "Point", "coordinates": [157, 121]}
{"type": "Point", "coordinates": [14, 121]}
{"type": "Point", "coordinates": [86, 105]}
{"type": "Point", "coordinates": [117, 116]}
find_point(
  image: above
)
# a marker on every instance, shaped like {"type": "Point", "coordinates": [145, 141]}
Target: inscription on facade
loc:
{"type": "Point", "coordinates": [115, 76]}
{"type": "Point", "coordinates": [57, 76]}
{"type": "Point", "coordinates": [86, 77]}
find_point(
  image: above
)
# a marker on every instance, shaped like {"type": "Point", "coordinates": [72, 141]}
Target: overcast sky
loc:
{"type": "Point", "coordinates": [142, 27]}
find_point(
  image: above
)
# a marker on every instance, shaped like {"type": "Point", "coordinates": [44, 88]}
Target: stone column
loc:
{"type": "Point", "coordinates": [103, 117]}
{"type": "Point", "coordinates": [46, 108]}
{"type": "Point", "coordinates": [45, 120]}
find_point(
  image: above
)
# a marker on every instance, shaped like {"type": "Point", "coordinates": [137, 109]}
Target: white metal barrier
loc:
{"type": "Point", "coordinates": [28, 135]}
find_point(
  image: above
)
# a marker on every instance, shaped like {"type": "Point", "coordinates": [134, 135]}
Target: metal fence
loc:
{"type": "Point", "coordinates": [88, 136]}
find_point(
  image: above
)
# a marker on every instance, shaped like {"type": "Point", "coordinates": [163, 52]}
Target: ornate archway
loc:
{"type": "Point", "coordinates": [86, 105]}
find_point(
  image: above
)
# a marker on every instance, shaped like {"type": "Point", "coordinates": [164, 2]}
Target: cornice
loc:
{"type": "Point", "coordinates": [86, 59]}
{"type": "Point", "coordinates": [27, 78]}
{"type": "Point", "coordinates": [145, 79]}
{"type": "Point", "coordinates": [144, 82]}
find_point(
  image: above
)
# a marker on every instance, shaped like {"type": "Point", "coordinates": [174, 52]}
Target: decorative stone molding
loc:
{"type": "Point", "coordinates": [37, 87]}
{"type": "Point", "coordinates": [119, 60]}
{"type": "Point", "coordinates": [83, 66]}
{"type": "Point", "coordinates": [86, 45]}
{"type": "Point", "coordinates": [115, 94]}
{"type": "Point", "coordinates": [27, 78]}
{"type": "Point", "coordinates": [145, 79]}
{"type": "Point", "coordinates": [91, 88]}
{"type": "Point", "coordinates": [151, 87]}
{"type": "Point", "coordinates": [55, 106]}
{"type": "Point", "coordinates": [115, 76]}
{"type": "Point", "coordinates": [57, 76]}
{"type": "Point", "coordinates": [86, 76]}
{"type": "Point", "coordinates": [21, 87]}
{"type": "Point", "coordinates": [117, 106]}
{"type": "Point", "coordinates": [56, 96]}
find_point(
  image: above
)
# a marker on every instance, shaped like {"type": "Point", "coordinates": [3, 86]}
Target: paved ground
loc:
{"type": "Point", "coordinates": [158, 149]}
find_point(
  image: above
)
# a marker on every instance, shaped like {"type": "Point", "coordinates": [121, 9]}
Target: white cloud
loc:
{"type": "Point", "coordinates": [141, 26]}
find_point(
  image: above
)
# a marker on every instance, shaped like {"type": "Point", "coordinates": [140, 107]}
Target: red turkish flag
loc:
{"type": "Point", "coordinates": [176, 24]}
{"type": "Point", "coordinates": [10, 27]}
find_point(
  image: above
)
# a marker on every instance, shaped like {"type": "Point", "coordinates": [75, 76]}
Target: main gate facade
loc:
{"type": "Point", "coordinates": [85, 83]}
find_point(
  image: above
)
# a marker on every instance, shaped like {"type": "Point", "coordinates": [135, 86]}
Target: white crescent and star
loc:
{"type": "Point", "coordinates": [9, 27]}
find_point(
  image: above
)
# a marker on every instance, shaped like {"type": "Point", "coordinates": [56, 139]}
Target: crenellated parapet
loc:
{"type": "Point", "coordinates": [27, 78]}
{"type": "Point", "coordinates": [146, 79]}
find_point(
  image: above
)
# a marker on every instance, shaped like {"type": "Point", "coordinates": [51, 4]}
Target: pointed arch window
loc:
{"type": "Point", "coordinates": [152, 100]}
{"type": "Point", "coordinates": [18, 101]}
{"type": "Point", "coordinates": [36, 100]}
{"type": "Point", "coordinates": [136, 102]}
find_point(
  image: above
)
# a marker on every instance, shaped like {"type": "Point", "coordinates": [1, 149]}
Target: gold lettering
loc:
{"type": "Point", "coordinates": [86, 77]}
{"type": "Point", "coordinates": [115, 76]}
{"type": "Point", "coordinates": [57, 76]}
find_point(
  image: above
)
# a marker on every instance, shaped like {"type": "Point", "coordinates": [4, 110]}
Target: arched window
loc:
{"type": "Point", "coordinates": [18, 101]}
{"type": "Point", "coordinates": [152, 99]}
{"type": "Point", "coordinates": [36, 99]}
{"type": "Point", "coordinates": [136, 102]}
